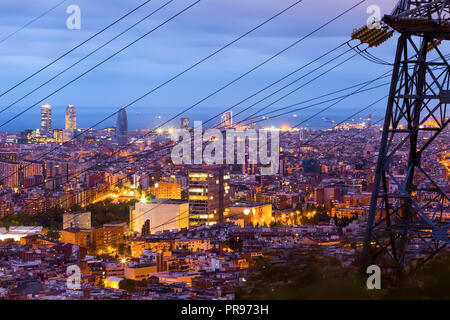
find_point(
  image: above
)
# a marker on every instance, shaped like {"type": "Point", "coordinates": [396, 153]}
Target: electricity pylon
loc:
{"type": "Point", "coordinates": [406, 223]}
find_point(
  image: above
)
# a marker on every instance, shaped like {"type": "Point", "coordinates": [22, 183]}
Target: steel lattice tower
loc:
{"type": "Point", "coordinates": [405, 222]}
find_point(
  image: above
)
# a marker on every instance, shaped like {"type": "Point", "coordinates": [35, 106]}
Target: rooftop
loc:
{"type": "Point", "coordinates": [76, 212]}
{"type": "Point", "coordinates": [168, 201]}
{"type": "Point", "coordinates": [142, 265]}
{"type": "Point", "coordinates": [245, 204]}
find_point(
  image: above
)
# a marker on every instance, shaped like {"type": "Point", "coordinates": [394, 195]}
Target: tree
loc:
{"type": "Point", "coordinates": [128, 284]}
{"type": "Point", "coordinates": [54, 234]}
{"type": "Point", "coordinates": [302, 276]}
{"type": "Point", "coordinates": [100, 283]}
{"type": "Point", "coordinates": [234, 244]}
{"type": "Point", "coordinates": [121, 249]}
{"type": "Point", "coordinates": [314, 276]}
{"type": "Point", "coordinates": [101, 213]}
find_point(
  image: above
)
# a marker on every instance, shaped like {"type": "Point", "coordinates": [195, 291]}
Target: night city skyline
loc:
{"type": "Point", "coordinates": [110, 94]}
{"type": "Point", "coordinates": [232, 159]}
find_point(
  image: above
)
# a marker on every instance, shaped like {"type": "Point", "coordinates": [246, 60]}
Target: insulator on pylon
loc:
{"type": "Point", "coordinates": [381, 37]}
{"type": "Point", "coordinates": [434, 44]}
{"type": "Point", "coordinates": [374, 36]}
{"type": "Point", "coordinates": [357, 33]}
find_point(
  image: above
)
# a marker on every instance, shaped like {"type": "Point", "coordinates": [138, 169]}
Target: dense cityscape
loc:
{"type": "Point", "coordinates": [272, 156]}
{"type": "Point", "coordinates": [140, 227]}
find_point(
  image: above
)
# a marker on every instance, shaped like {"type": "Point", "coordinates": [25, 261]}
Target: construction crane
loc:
{"type": "Point", "coordinates": [406, 224]}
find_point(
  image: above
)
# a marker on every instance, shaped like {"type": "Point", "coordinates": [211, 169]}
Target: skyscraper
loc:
{"type": "Point", "coordinates": [159, 215]}
{"type": "Point", "coordinates": [227, 119]}
{"type": "Point", "coordinates": [71, 118]}
{"type": "Point", "coordinates": [46, 121]}
{"type": "Point", "coordinates": [184, 123]}
{"type": "Point", "coordinates": [208, 194]}
{"type": "Point", "coordinates": [122, 127]}
{"type": "Point", "coordinates": [58, 135]}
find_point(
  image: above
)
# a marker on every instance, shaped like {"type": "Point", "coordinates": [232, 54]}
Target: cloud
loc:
{"type": "Point", "coordinates": [177, 45]}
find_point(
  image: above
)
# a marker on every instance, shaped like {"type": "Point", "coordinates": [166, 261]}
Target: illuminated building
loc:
{"type": "Point", "coordinates": [58, 136]}
{"type": "Point", "coordinates": [303, 134]}
{"type": "Point", "coordinates": [176, 277]}
{"type": "Point", "coordinates": [38, 239]}
{"type": "Point", "coordinates": [167, 190]}
{"type": "Point", "coordinates": [14, 173]}
{"type": "Point", "coordinates": [17, 233]}
{"type": "Point", "coordinates": [112, 282]}
{"type": "Point", "coordinates": [122, 127]}
{"type": "Point", "coordinates": [194, 244]}
{"type": "Point", "coordinates": [71, 118]}
{"type": "Point", "coordinates": [46, 121]}
{"type": "Point", "coordinates": [348, 126]}
{"type": "Point", "coordinates": [76, 236]}
{"type": "Point", "coordinates": [249, 212]}
{"type": "Point", "coordinates": [340, 211]}
{"type": "Point", "coordinates": [68, 135]}
{"type": "Point", "coordinates": [6, 155]}
{"type": "Point", "coordinates": [56, 173]}
{"type": "Point", "coordinates": [319, 195]}
{"type": "Point", "coordinates": [26, 137]}
{"type": "Point", "coordinates": [6, 204]}
{"type": "Point", "coordinates": [227, 119]}
{"type": "Point", "coordinates": [208, 194]}
{"type": "Point", "coordinates": [159, 215]}
{"type": "Point", "coordinates": [105, 237]}
{"type": "Point", "coordinates": [184, 123]}
{"type": "Point", "coordinates": [9, 174]}
{"type": "Point", "coordinates": [79, 219]}
{"type": "Point", "coordinates": [140, 271]}
{"type": "Point", "coordinates": [322, 195]}
{"type": "Point", "coordinates": [114, 269]}
{"type": "Point", "coordinates": [311, 166]}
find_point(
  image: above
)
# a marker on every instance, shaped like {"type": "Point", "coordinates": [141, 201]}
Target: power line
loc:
{"type": "Point", "coordinates": [367, 82]}
{"type": "Point", "coordinates": [291, 83]}
{"type": "Point", "coordinates": [303, 85]}
{"type": "Point", "coordinates": [346, 119]}
{"type": "Point", "coordinates": [168, 145]}
{"type": "Point", "coordinates": [99, 64]}
{"type": "Point", "coordinates": [32, 21]}
{"type": "Point", "coordinates": [318, 103]}
{"type": "Point", "coordinates": [74, 48]}
{"type": "Point", "coordinates": [286, 48]}
{"type": "Point", "coordinates": [351, 116]}
{"type": "Point", "coordinates": [340, 100]}
{"type": "Point", "coordinates": [371, 58]}
{"type": "Point", "coordinates": [277, 81]}
{"type": "Point", "coordinates": [128, 175]}
{"type": "Point", "coordinates": [345, 139]}
{"type": "Point", "coordinates": [361, 110]}
{"type": "Point", "coordinates": [86, 56]}
{"type": "Point", "coordinates": [172, 78]}
{"type": "Point", "coordinates": [315, 98]}
{"type": "Point", "coordinates": [271, 58]}
{"type": "Point", "coordinates": [246, 73]}
{"type": "Point", "coordinates": [152, 208]}
{"type": "Point", "coordinates": [343, 97]}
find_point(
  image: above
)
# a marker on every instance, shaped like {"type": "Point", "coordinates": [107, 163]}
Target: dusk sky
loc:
{"type": "Point", "coordinates": [174, 47]}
